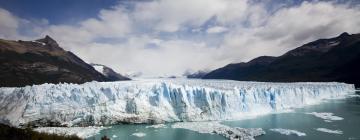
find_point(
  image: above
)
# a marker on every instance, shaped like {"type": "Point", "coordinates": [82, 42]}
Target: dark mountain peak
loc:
{"type": "Point", "coordinates": [321, 45]}
{"type": "Point", "coordinates": [49, 41]}
{"type": "Point", "coordinates": [344, 34]}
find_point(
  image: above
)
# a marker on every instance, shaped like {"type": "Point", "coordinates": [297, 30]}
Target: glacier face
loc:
{"type": "Point", "coordinates": [156, 101]}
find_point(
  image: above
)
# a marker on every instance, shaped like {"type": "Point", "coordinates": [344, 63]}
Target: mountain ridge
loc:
{"type": "Point", "coordinates": [323, 60]}
{"type": "Point", "coordinates": [42, 61]}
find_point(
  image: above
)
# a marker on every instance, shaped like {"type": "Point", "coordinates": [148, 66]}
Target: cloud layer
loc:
{"type": "Point", "coordinates": [168, 37]}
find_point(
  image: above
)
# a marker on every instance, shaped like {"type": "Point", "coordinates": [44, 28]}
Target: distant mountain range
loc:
{"type": "Point", "coordinates": [109, 73]}
{"type": "Point", "coordinates": [42, 61]}
{"type": "Point", "coordinates": [195, 75]}
{"type": "Point", "coordinates": [334, 59]}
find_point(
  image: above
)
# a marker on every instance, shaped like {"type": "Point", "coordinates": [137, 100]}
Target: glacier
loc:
{"type": "Point", "coordinates": [156, 101]}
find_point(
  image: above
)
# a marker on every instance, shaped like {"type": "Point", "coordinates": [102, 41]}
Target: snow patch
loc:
{"type": "Point", "coordinates": [99, 68]}
{"type": "Point", "coordinates": [329, 131]}
{"type": "Point", "coordinates": [139, 134]}
{"type": "Point", "coordinates": [42, 43]}
{"type": "Point", "coordinates": [326, 116]}
{"type": "Point", "coordinates": [82, 132]}
{"type": "Point", "coordinates": [235, 133]}
{"type": "Point", "coordinates": [334, 43]}
{"type": "Point", "coordinates": [288, 132]}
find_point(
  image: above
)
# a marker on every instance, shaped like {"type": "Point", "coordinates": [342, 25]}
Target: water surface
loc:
{"type": "Point", "coordinates": [348, 108]}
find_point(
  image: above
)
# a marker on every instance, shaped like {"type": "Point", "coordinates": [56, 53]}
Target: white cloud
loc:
{"type": "Point", "coordinates": [216, 29]}
{"type": "Point", "coordinates": [289, 28]}
{"type": "Point", "coordinates": [8, 25]}
{"type": "Point", "coordinates": [248, 30]}
{"type": "Point", "coordinates": [112, 23]}
{"type": "Point", "coordinates": [171, 16]}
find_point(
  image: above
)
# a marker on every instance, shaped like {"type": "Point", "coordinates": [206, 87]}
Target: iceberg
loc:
{"type": "Point", "coordinates": [156, 101]}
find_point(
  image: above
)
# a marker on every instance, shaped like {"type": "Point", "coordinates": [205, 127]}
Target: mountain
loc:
{"type": "Point", "coordinates": [196, 75]}
{"type": "Point", "coordinates": [334, 59]}
{"type": "Point", "coordinates": [42, 61]}
{"type": "Point", "coordinates": [109, 73]}
{"type": "Point", "coordinates": [133, 74]}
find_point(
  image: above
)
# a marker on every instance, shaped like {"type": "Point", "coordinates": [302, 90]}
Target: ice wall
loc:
{"type": "Point", "coordinates": [156, 101]}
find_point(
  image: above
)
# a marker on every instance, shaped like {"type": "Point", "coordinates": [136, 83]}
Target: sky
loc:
{"type": "Point", "coordinates": [170, 37]}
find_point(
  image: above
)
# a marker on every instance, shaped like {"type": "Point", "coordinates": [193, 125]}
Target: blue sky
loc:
{"type": "Point", "coordinates": [169, 37]}
{"type": "Point", "coordinates": [57, 11]}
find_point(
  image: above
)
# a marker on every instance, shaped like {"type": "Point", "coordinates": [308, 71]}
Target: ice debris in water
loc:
{"type": "Point", "coordinates": [326, 116]}
{"type": "Point", "coordinates": [82, 132]}
{"type": "Point", "coordinates": [231, 133]}
{"type": "Point", "coordinates": [288, 132]}
{"type": "Point", "coordinates": [329, 131]}
{"type": "Point", "coordinates": [156, 101]}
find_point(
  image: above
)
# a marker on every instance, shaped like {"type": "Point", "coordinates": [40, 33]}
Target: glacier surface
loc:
{"type": "Point", "coordinates": [156, 101]}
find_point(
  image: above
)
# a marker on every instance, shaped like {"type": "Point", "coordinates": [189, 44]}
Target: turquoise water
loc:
{"type": "Point", "coordinates": [348, 108]}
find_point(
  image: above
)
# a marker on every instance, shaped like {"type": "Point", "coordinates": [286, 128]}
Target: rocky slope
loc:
{"type": "Point", "coordinates": [335, 59]}
{"type": "Point", "coordinates": [42, 61]}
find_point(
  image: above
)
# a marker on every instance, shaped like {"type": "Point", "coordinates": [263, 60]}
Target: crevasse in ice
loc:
{"type": "Point", "coordinates": [156, 101]}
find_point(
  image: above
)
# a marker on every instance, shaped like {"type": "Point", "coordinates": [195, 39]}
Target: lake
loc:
{"type": "Point", "coordinates": [348, 109]}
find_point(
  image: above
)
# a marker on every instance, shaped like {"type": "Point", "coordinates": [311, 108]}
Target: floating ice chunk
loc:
{"type": "Point", "coordinates": [231, 133]}
{"type": "Point", "coordinates": [156, 126]}
{"type": "Point", "coordinates": [114, 136]}
{"type": "Point", "coordinates": [82, 132]}
{"type": "Point", "coordinates": [353, 95]}
{"type": "Point", "coordinates": [329, 131]}
{"type": "Point", "coordinates": [326, 116]}
{"type": "Point", "coordinates": [288, 131]}
{"type": "Point", "coordinates": [139, 134]}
